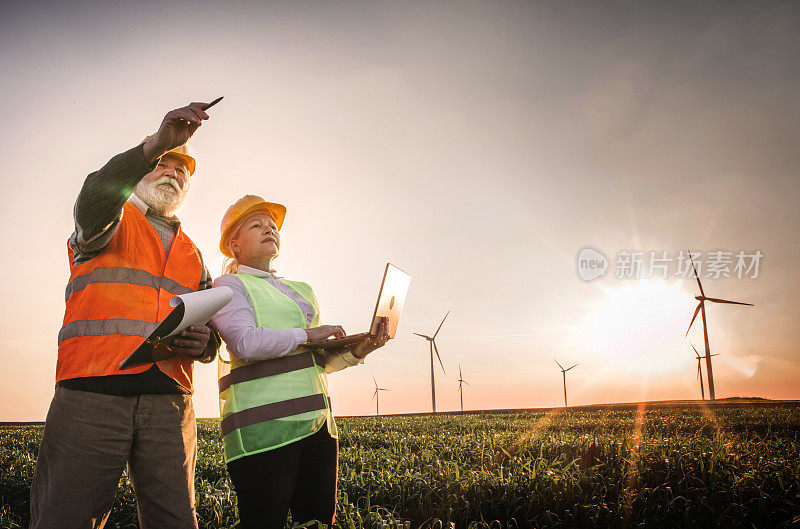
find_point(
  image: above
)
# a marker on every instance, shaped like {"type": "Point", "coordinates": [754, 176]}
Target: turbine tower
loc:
{"type": "Point", "coordinates": [432, 342]}
{"type": "Point", "coordinates": [376, 395]}
{"type": "Point", "coordinates": [564, 375]}
{"type": "Point", "coordinates": [699, 370]}
{"type": "Point", "coordinates": [701, 308]}
{"type": "Point", "coordinates": [460, 389]}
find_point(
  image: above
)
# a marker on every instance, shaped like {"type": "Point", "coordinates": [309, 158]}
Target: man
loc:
{"type": "Point", "coordinates": [128, 256]}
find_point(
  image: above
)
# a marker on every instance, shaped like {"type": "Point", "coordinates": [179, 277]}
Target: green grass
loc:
{"type": "Point", "coordinates": [730, 466]}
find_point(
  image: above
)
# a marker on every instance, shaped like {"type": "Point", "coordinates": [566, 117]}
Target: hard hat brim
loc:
{"type": "Point", "coordinates": [185, 158]}
{"type": "Point", "coordinates": [190, 162]}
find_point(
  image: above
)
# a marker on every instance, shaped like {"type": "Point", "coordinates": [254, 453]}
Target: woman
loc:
{"type": "Point", "coordinates": [279, 435]}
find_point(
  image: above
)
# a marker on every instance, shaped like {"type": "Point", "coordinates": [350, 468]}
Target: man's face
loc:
{"type": "Point", "coordinates": [165, 188]}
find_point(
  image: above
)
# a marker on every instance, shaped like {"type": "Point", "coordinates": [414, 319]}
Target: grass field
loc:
{"type": "Point", "coordinates": [655, 465]}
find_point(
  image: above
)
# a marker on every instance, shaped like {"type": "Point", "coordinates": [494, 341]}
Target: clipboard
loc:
{"type": "Point", "coordinates": [194, 308]}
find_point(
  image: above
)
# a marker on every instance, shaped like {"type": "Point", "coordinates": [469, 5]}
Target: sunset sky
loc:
{"type": "Point", "coordinates": [478, 145]}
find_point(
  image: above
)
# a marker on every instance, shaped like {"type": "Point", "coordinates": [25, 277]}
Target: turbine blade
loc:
{"type": "Point", "coordinates": [559, 365]}
{"type": "Point", "coordinates": [440, 325]}
{"type": "Point", "coordinates": [376, 382]}
{"type": "Point", "coordinates": [698, 283]}
{"type": "Point", "coordinates": [693, 317]}
{"type": "Point", "coordinates": [572, 366]}
{"type": "Point", "coordinates": [439, 357]}
{"type": "Point", "coordinates": [717, 300]}
{"type": "Point", "coordinates": [695, 350]}
{"type": "Point", "coordinates": [459, 371]}
{"type": "Point", "coordinates": [424, 336]}
{"type": "Point", "coordinates": [698, 369]}
{"type": "Point", "coordinates": [465, 382]}
{"type": "Point", "coordinates": [696, 275]}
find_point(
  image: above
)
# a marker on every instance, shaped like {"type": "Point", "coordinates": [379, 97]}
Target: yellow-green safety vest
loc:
{"type": "Point", "coordinates": [267, 404]}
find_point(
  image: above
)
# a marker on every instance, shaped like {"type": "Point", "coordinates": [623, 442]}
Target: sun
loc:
{"type": "Point", "coordinates": [641, 325]}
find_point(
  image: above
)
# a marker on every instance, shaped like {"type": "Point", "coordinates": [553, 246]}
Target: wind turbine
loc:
{"type": "Point", "coordinates": [564, 375]}
{"type": "Point", "coordinates": [376, 394]}
{"type": "Point", "coordinates": [701, 308]}
{"type": "Point", "coordinates": [432, 342]}
{"type": "Point", "coordinates": [460, 389]}
{"type": "Point", "coordinates": [700, 371]}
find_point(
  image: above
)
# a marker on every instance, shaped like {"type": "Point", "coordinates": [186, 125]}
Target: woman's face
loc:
{"type": "Point", "coordinates": [258, 238]}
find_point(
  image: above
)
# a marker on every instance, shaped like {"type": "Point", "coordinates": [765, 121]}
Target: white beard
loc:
{"type": "Point", "coordinates": [163, 199]}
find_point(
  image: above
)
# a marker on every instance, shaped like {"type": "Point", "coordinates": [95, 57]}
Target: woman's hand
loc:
{"type": "Point", "coordinates": [370, 343]}
{"type": "Point", "coordinates": [323, 332]}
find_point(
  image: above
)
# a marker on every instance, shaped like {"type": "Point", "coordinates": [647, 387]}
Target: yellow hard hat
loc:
{"type": "Point", "coordinates": [243, 207]}
{"type": "Point", "coordinates": [179, 152]}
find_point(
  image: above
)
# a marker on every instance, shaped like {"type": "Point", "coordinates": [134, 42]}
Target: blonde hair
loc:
{"type": "Point", "coordinates": [231, 264]}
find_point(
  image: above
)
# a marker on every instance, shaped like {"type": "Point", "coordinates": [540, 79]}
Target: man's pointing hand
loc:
{"type": "Point", "coordinates": [175, 130]}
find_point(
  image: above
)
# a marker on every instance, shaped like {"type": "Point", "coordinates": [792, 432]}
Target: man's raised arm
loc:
{"type": "Point", "coordinates": [98, 208]}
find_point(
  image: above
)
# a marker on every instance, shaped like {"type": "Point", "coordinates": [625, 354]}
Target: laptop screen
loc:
{"type": "Point", "coordinates": [391, 298]}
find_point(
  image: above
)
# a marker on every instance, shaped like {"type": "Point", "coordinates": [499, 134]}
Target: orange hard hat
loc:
{"type": "Point", "coordinates": [180, 152]}
{"type": "Point", "coordinates": [240, 209]}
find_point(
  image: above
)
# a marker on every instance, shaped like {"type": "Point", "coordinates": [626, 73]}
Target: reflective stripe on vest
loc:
{"type": "Point", "coordinates": [116, 298]}
{"type": "Point", "coordinates": [275, 410]}
{"type": "Point", "coordinates": [268, 368]}
{"type": "Point", "coordinates": [123, 326]}
{"type": "Point", "coordinates": [270, 403]}
{"type": "Point", "coordinates": [121, 274]}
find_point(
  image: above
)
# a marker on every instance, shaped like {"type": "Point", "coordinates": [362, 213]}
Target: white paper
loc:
{"type": "Point", "coordinates": [198, 307]}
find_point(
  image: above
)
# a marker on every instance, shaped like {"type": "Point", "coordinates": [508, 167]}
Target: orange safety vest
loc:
{"type": "Point", "coordinates": [117, 298]}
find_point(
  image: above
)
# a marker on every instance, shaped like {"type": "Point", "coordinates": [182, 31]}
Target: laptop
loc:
{"type": "Point", "coordinates": [391, 298]}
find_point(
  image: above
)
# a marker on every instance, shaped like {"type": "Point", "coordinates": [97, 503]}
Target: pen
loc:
{"type": "Point", "coordinates": [217, 100]}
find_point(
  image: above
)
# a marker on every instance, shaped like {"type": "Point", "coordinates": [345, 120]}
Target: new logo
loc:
{"type": "Point", "coordinates": [591, 264]}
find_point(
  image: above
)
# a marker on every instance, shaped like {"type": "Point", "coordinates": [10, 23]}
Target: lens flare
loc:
{"type": "Point", "coordinates": [640, 327]}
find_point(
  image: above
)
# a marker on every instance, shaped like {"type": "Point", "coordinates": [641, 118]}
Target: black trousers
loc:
{"type": "Point", "coordinates": [300, 476]}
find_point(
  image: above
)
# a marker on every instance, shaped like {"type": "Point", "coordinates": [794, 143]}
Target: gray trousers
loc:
{"type": "Point", "coordinates": [88, 439]}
